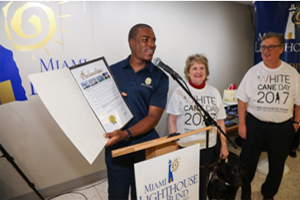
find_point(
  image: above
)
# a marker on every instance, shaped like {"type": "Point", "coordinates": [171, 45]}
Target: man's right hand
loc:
{"type": "Point", "coordinates": [115, 137]}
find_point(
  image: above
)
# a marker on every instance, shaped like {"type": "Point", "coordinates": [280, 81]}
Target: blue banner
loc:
{"type": "Point", "coordinates": [281, 17]}
{"type": "Point", "coordinates": [10, 81]}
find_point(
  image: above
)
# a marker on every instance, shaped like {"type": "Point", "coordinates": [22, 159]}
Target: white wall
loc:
{"type": "Point", "coordinates": [223, 31]}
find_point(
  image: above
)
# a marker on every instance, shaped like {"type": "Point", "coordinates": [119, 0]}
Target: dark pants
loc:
{"type": "Point", "coordinates": [296, 140]}
{"type": "Point", "coordinates": [276, 139]}
{"type": "Point", "coordinates": [212, 158]}
{"type": "Point", "coordinates": [120, 174]}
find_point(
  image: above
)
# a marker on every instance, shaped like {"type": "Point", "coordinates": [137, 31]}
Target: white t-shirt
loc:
{"type": "Point", "coordinates": [270, 93]}
{"type": "Point", "coordinates": [189, 118]}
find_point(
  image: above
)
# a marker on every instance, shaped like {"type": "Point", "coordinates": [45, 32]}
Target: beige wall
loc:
{"type": "Point", "coordinates": [223, 31]}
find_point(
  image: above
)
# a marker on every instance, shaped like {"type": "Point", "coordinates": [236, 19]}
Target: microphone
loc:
{"type": "Point", "coordinates": [158, 63]}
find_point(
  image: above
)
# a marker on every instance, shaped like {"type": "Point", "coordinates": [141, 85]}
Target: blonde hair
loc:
{"type": "Point", "coordinates": [193, 59]}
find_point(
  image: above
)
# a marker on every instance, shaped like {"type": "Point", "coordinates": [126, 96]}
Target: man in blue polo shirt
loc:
{"type": "Point", "coordinates": [144, 88]}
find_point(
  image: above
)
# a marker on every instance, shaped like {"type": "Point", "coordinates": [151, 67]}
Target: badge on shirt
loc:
{"type": "Point", "coordinates": [147, 83]}
{"type": "Point", "coordinates": [261, 75]}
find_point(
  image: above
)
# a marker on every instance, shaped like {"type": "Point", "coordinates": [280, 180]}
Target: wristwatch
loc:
{"type": "Point", "coordinates": [296, 123]}
{"type": "Point", "coordinates": [129, 136]}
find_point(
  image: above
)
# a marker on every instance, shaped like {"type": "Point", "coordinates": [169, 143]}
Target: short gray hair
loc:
{"type": "Point", "coordinates": [279, 36]}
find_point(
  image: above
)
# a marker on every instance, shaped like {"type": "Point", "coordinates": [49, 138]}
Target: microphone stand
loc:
{"type": "Point", "coordinates": [11, 160]}
{"type": "Point", "coordinates": [208, 120]}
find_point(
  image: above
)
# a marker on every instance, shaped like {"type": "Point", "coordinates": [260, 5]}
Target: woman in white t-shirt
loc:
{"type": "Point", "coordinates": [184, 116]}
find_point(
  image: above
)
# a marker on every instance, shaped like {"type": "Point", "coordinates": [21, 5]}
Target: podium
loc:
{"type": "Point", "coordinates": [168, 168]}
{"type": "Point", "coordinates": [156, 147]}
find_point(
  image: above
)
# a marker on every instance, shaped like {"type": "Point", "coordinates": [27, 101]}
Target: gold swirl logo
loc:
{"type": "Point", "coordinates": [297, 16]}
{"type": "Point", "coordinates": [175, 164]}
{"type": "Point", "coordinates": [40, 38]}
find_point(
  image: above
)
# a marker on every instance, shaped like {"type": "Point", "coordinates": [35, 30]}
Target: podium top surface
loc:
{"type": "Point", "coordinates": [153, 143]}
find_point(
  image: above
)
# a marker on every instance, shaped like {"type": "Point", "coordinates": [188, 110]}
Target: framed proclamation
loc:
{"type": "Point", "coordinates": [102, 93]}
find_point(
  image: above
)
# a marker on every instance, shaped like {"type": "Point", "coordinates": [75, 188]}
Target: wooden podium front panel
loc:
{"type": "Point", "coordinates": [160, 150]}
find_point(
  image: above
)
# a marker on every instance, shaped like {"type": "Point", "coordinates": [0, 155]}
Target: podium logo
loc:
{"type": "Point", "coordinates": [173, 167]}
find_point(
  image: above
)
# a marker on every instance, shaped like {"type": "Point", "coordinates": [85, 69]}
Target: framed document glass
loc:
{"type": "Point", "coordinates": [102, 93]}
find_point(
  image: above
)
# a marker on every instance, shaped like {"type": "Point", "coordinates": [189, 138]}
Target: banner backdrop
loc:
{"type": "Point", "coordinates": [282, 17]}
{"type": "Point", "coordinates": [39, 37]}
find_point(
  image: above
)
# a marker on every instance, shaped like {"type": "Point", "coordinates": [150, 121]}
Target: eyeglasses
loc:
{"type": "Point", "coordinates": [270, 48]}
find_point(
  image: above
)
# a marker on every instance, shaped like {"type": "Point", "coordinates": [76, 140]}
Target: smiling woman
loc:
{"type": "Point", "coordinates": [184, 115]}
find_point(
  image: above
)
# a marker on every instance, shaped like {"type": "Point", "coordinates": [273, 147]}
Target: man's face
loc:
{"type": "Point", "coordinates": [268, 54]}
{"type": "Point", "coordinates": [143, 46]}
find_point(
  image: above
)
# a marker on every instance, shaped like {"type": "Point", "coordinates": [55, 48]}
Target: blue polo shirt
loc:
{"type": "Point", "coordinates": [149, 86]}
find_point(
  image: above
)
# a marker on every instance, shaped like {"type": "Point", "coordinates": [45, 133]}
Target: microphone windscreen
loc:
{"type": "Point", "coordinates": [156, 61]}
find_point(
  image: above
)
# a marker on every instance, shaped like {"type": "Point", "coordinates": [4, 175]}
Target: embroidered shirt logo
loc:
{"type": "Point", "coordinates": [147, 83]}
